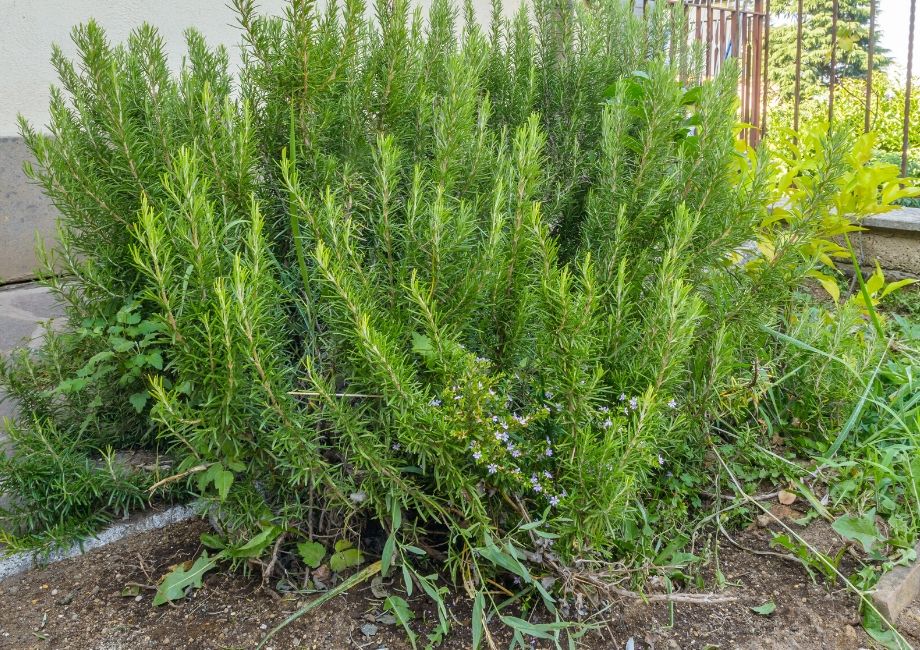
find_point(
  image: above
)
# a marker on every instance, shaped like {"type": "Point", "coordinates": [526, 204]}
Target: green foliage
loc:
{"type": "Point", "coordinates": [57, 489]}
{"type": "Point", "coordinates": [482, 288]}
{"type": "Point", "coordinates": [852, 46]}
{"type": "Point", "coordinates": [180, 580]}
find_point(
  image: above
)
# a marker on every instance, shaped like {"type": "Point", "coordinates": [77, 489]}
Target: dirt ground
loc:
{"type": "Point", "coordinates": [78, 603]}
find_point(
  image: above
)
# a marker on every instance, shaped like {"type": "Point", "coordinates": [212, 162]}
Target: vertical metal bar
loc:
{"type": "Point", "coordinates": [698, 27]}
{"type": "Point", "coordinates": [722, 40]}
{"type": "Point", "coordinates": [672, 45]}
{"type": "Point", "coordinates": [757, 53]}
{"type": "Point", "coordinates": [870, 61]}
{"type": "Point", "coordinates": [709, 38]}
{"type": "Point", "coordinates": [905, 141]}
{"type": "Point", "coordinates": [766, 68]}
{"type": "Point", "coordinates": [736, 30]}
{"type": "Point", "coordinates": [750, 73]}
{"type": "Point", "coordinates": [685, 44]}
{"type": "Point", "coordinates": [833, 79]}
{"type": "Point", "coordinates": [798, 69]}
{"type": "Point", "coordinates": [745, 60]}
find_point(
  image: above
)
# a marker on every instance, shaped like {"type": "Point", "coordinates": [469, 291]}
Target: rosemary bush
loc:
{"type": "Point", "coordinates": [481, 287]}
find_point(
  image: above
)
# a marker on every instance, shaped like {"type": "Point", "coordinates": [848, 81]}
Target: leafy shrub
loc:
{"type": "Point", "coordinates": [482, 288]}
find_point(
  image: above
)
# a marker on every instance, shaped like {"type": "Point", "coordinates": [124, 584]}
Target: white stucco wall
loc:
{"type": "Point", "coordinates": [29, 27]}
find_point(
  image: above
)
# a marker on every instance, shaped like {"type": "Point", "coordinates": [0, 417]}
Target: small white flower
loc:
{"type": "Point", "coordinates": [661, 460]}
{"type": "Point", "coordinates": [554, 501]}
{"type": "Point", "coordinates": [396, 446]}
{"type": "Point", "coordinates": [516, 453]}
{"type": "Point", "coordinates": [538, 488]}
{"type": "Point", "coordinates": [477, 455]}
{"type": "Point", "coordinates": [603, 409]}
{"type": "Point", "coordinates": [548, 475]}
{"type": "Point", "coordinates": [633, 403]}
{"type": "Point", "coordinates": [622, 397]}
{"type": "Point", "coordinates": [549, 451]}
{"type": "Point", "coordinates": [672, 404]}
{"type": "Point", "coordinates": [435, 402]}
{"type": "Point", "coordinates": [608, 423]}
{"type": "Point", "coordinates": [493, 468]}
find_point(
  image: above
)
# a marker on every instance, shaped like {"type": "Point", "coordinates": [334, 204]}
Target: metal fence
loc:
{"type": "Point", "coordinates": [741, 29]}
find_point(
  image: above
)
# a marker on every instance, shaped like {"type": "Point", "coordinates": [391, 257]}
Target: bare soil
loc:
{"type": "Point", "coordinates": [78, 603]}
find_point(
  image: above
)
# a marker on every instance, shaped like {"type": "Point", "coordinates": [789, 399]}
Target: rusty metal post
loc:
{"type": "Point", "coordinates": [736, 30]}
{"type": "Point", "coordinates": [698, 27]}
{"type": "Point", "coordinates": [870, 61]}
{"type": "Point", "coordinates": [746, 74]}
{"type": "Point", "coordinates": [757, 69]}
{"type": "Point", "coordinates": [833, 79]}
{"type": "Point", "coordinates": [709, 38]}
{"type": "Point", "coordinates": [905, 142]}
{"type": "Point", "coordinates": [798, 69]}
{"type": "Point", "coordinates": [766, 68]}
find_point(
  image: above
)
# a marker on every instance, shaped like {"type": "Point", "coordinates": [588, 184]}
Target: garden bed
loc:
{"type": "Point", "coordinates": [79, 603]}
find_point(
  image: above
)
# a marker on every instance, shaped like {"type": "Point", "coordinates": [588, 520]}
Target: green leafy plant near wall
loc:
{"type": "Point", "coordinates": [477, 290]}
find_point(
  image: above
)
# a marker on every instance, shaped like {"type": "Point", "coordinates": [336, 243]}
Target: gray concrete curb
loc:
{"type": "Point", "coordinates": [21, 562]}
{"type": "Point", "coordinates": [897, 589]}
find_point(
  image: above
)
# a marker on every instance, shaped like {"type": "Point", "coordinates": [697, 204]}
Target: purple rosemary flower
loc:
{"type": "Point", "coordinates": [493, 468]}
{"type": "Point", "coordinates": [607, 423]}
{"type": "Point", "coordinates": [549, 451]}
{"type": "Point", "coordinates": [396, 446]}
{"type": "Point", "coordinates": [633, 403]}
{"type": "Point", "coordinates": [537, 488]}
{"type": "Point", "coordinates": [477, 455]}
{"type": "Point", "coordinates": [672, 404]}
{"type": "Point", "coordinates": [554, 501]}
{"type": "Point", "coordinates": [435, 402]}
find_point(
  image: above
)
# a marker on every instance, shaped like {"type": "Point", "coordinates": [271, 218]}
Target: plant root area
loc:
{"type": "Point", "coordinates": [102, 601]}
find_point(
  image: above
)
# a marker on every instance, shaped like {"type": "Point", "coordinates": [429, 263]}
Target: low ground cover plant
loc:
{"type": "Point", "coordinates": [470, 300]}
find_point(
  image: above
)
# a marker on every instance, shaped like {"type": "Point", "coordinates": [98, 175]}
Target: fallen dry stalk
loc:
{"type": "Point", "coordinates": [179, 476]}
